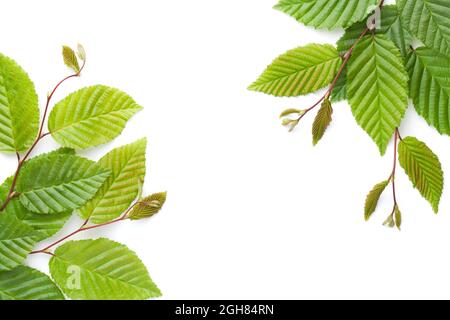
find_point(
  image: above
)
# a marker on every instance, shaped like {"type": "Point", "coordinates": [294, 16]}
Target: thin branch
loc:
{"type": "Point", "coordinates": [336, 78]}
{"type": "Point", "coordinates": [85, 228]}
{"type": "Point", "coordinates": [397, 135]}
{"type": "Point", "coordinates": [70, 235]}
{"type": "Point", "coordinates": [310, 108]}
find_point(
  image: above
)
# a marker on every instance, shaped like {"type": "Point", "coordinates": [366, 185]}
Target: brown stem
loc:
{"type": "Point", "coordinates": [84, 228]}
{"type": "Point", "coordinates": [40, 136]}
{"type": "Point", "coordinates": [311, 108]}
{"type": "Point", "coordinates": [347, 56]}
{"type": "Point", "coordinates": [394, 168]}
{"type": "Point", "coordinates": [70, 235]}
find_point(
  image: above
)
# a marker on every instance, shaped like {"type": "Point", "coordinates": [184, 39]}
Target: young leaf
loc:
{"type": "Point", "coordinates": [127, 165]}
{"type": "Point", "coordinates": [106, 270]}
{"type": "Point", "coordinates": [91, 116]}
{"type": "Point", "coordinates": [290, 123]}
{"type": "Point", "coordinates": [322, 121]}
{"type": "Point", "coordinates": [70, 59]}
{"type": "Point", "coordinates": [328, 14]}
{"type": "Point", "coordinates": [300, 71]}
{"type": "Point", "coordinates": [19, 111]}
{"type": "Point", "coordinates": [372, 199]}
{"type": "Point", "coordinates": [81, 53]}
{"type": "Point", "coordinates": [24, 283]}
{"type": "Point", "coordinates": [430, 87]}
{"type": "Point", "coordinates": [389, 222]}
{"type": "Point", "coordinates": [428, 21]}
{"type": "Point", "coordinates": [289, 112]}
{"type": "Point", "coordinates": [398, 217]}
{"type": "Point", "coordinates": [16, 241]}
{"type": "Point", "coordinates": [391, 25]}
{"type": "Point", "coordinates": [377, 87]}
{"type": "Point", "coordinates": [148, 206]}
{"type": "Point", "coordinates": [423, 168]}
{"type": "Point", "coordinates": [59, 183]}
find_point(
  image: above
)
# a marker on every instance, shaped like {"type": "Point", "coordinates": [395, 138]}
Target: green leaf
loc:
{"type": "Point", "coordinates": [106, 270]}
{"type": "Point", "coordinates": [372, 199]}
{"type": "Point", "coordinates": [391, 25]}
{"type": "Point", "coordinates": [127, 165]}
{"type": "Point", "coordinates": [423, 168]}
{"type": "Point", "coordinates": [148, 206]}
{"type": "Point", "coordinates": [91, 116]}
{"type": "Point", "coordinates": [322, 121]}
{"type": "Point", "coordinates": [59, 183]}
{"type": "Point", "coordinates": [299, 71]}
{"type": "Point", "coordinates": [19, 111]}
{"type": "Point", "coordinates": [429, 21]}
{"type": "Point", "coordinates": [377, 87]}
{"type": "Point", "coordinates": [70, 59]}
{"type": "Point", "coordinates": [329, 14]}
{"type": "Point", "coordinates": [398, 217]}
{"type": "Point", "coordinates": [340, 89]}
{"type": "Point", "coordinates": [430, 87]}
{"type": "Point", "coordinates": [17, 240]}
{"type": "Point", "coordinates": [24, 283]}
{"type": "Point", "coordinates": [47, 225]}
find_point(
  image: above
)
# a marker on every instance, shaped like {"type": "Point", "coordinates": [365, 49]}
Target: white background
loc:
{"type": "Point", "coordinates": [253, 211]}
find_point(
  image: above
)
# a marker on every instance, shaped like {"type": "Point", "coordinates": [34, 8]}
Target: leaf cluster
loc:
{"type": "Point", "coordinates": [376, 68]}
{"type": "Point", "coordinates": [46, 190]}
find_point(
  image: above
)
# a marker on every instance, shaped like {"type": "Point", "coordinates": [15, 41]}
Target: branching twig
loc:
{"type": "Point", "coordinates": [85, 228]}
{"type": "Point", "coordinates": [40, 136]}
{"type": "Point", "coordinates": [346, 58]}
